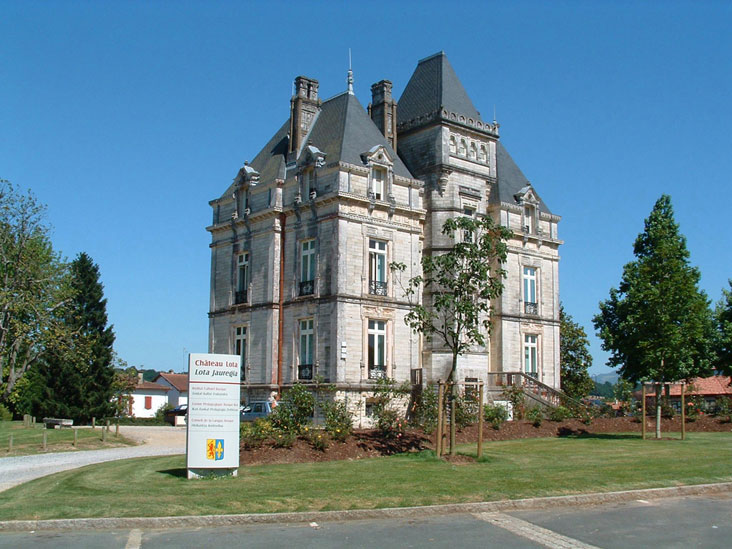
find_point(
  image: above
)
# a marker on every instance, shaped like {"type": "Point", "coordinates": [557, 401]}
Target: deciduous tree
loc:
{"type": "Point", "coordinates": [657, 323]}
{"type": "Point", "coordinates": [32, 286]}
{"type": "Point", "coordinates": [459, 285]}
{"type": "Point", "coordinates": [574, 356]}
{"type": "Point", "coordinates": [723, 336]}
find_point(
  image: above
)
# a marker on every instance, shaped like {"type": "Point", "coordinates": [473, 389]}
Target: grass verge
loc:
{"type": "Point", "coordinates": [29, 440]}
{"type": "Point", "coordinates": [508, 470]}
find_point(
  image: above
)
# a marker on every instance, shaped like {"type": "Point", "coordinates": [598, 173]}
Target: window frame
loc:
{"type": "Point", "coordinates": [376, 348]}
{"type": "Point", "coordinates": [241, 349]}
{"type": "Point", "coordinates": [378, 276]}
{"type": "Point", "coordinates": [377, 185]}
{"type": "Point", "coordinates": [306, 352]}
{"type": "Point", "coordinates": [531, 355]}
{"type": "Point", "coordinates": [530, 289]}
{"type": "Point", "coordinates": [308, 257]}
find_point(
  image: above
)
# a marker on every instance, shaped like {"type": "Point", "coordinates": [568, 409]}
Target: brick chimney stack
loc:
{"type": "Point", "coordinates": [383, 111]}
{"type": "Point", "coordinates": [304, 105]}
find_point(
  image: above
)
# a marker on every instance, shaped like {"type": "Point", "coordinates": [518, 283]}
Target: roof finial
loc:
{"type": "Point", "coordinates": [494, 113]}
{"type": "Point", "coordinates": [350, 73]}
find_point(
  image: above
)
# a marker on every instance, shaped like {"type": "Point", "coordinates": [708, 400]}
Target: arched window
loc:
{"type": "Point", "coordinates": [483, 155]}
{"type": "Point", "coordinates": [473, 151]}
{"type": "Point", "coordinates": [453, 145]}
{"type": "Point", "coordinates": [462, 151]}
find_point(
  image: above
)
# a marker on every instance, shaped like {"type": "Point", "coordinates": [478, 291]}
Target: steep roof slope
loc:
{"type": "Point", "coordinates": [510, 179]}
{"type": "Point", "coordinates": [343, 130]}
{"type": "Point", "coordinates": [434, 86]}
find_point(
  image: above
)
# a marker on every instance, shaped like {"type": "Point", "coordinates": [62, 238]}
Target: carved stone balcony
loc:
{"type": "Point", "coordinates": [378, 288]}
{"type": "Point", "coordinates": [305, 372]}
{"type": "Point", "coordinates": [307, 287]}
{"type": "Point", "coordinates": [377, 372]}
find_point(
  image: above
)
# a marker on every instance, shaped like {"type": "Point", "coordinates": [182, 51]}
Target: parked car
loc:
{"type": "Point", "coordinates": [255, 410]}
{"type": "Point", "coordinates": [170, 415]}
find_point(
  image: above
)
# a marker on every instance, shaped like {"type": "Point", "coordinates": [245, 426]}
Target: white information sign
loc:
{"type": "Point", "coordinates": [213, 412]}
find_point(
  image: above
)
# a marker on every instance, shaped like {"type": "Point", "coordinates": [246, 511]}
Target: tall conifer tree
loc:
{"type": "Point", "coordinates": [657, 323]}
{"type": "Point", "coordinates": [76, 379]}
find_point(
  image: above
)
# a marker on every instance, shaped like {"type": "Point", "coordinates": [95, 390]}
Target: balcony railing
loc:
{"type": "Point", "coordinates": [531, 308]}
{"type": "Point", "coordinates": [305, 372]}
{"type": "Point", "coordinates": [307, 287]}
{"type": "Point", "coordinates": [240, 297]}
{"type": "Point", "coordinates": [377, 372]}
{"type": "Point", "coordinates": [378, 288]}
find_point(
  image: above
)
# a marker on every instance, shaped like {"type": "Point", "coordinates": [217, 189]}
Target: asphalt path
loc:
{"type": "Point", "coordinates": [154, 441]}
{"type": "Point", "coordinates": [683, 522]}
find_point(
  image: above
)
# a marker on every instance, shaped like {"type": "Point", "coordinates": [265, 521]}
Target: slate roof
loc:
{"type": "Point", "coordinates": [434, 86]}
{"type": "Point", "coordinates": [150, 386]}
{"type": "Point", "coordinates": [178, 381]}
{"type": "Point", "coordinates": [344, 131]}
{"type": "Point", "coordinates": [511, 180]}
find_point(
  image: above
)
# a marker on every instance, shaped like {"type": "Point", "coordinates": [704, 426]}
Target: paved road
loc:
{"type": "Point", "coordinates": [693, 521]}
{"type": "Point", "coordinates": [155, 441]}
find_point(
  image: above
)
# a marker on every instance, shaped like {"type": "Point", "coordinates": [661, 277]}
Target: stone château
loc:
{"type": "Point", "coordinates": [303, 238]}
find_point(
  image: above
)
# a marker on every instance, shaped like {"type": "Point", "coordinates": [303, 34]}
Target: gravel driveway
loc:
{"type": "Point", "coordinates": [154, 441]}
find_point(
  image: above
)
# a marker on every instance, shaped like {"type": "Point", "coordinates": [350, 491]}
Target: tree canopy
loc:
{"type": "Point", "coordinates": [76, 379]}
{"type": "Point", "coordinates": [723, 336]}
{"type": "Point", "coordinates": [656, 324]}
{"type": "Point", "coordinates": [32, 287]}
{"type": "Point", "coordinates": [574, 356]}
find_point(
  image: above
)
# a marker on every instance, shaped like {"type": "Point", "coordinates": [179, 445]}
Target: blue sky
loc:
{"type": "Point", "coordinates": [126, 118]}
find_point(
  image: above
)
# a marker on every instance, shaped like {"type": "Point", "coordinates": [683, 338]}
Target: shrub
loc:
{"type": "Point", "coordinates": [495, 414]}
{"type": "Point", "coordinates": [515, 395]}
{"type": "Point", "coordinates": [5, 414]}
{"type": "Point", "coordinates": [694, 408]}
{"type": "Point", "coordinates": [535, 416]}
{"type": "Point", "coordinates": [253, 435]}
{"type": "Point", "coordinates": [425, 411]}
{"type": "Point", "coordinates": [283, 439]}
{"type": "Point", "coordinates": [466, 409]}
{"type": "Point", "coordinates": [295, 411]}
{"type": "Point", "coordinates": [723, 409]}
{"type": "Point", "coordinates": [388, 421]}
{"type": "Point", "coordinates": [338, 420]}
{"type": "Point", "coordinates": [317, 439]}
{"type": "Point", "coordinates": [560, 413]}
{"type": "Point", "coordinates": [160, 413]}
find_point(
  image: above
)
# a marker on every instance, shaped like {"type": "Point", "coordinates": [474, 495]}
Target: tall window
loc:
{"type": "Point", "coordinates": [529, 219]}
{"type": "Point", "coordinates": [307, 340]}
{"type": "Point", "coordinates": [377, 348]}
{"type": "Point", "coordinates": [530, 303]}
{"type": "Point", "coordinates": [377, 267]}
{"type": "Point", "coordinates": [243, 201]}
{"type": "Point", "coordinates": [309, 183]}
{"type": "Point", "coordinates": [378, 176]}
{"type": "Point", "coordinates": [530, 355]}
{"type": "Point", "coordinates": [468, 235]}
{"type": "Point", "coordinates": [242, 277]}
{"type": "Point", "coordinates": [307, 268]}
{"type": "Point", "coordinates": [240, 348]}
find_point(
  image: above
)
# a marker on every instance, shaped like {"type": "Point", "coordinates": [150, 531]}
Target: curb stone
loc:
{"type": "Point", "coordinates": [360, 514]}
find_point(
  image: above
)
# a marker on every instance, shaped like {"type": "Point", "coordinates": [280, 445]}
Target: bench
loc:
{"type": "Point", "coordinates": [57, 423]}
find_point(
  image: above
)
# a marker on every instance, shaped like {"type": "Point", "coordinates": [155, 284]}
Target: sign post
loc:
{"type": "Point", "coordinates": [212, 431]}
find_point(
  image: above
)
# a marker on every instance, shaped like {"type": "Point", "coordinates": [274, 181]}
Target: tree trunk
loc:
{"type": "Point", "coordinates": [659, 393]}
{"type": "Point", "coordinates": [453, 403]}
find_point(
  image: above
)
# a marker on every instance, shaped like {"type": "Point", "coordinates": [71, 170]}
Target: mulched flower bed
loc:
{"type": "Point", "coordinates": [367, 443]}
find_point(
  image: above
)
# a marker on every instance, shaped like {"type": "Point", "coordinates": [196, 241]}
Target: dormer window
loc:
{"type": "Point", "coordinates": [378, 176]}
{"type": "Point", "coordinates": [308, 182]}
{"type": "Point", "coordinates": [529, 222]}
{"type": "Point", "coordinates": [243, 201]}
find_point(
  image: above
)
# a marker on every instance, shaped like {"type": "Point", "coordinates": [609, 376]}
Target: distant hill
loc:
{"type": "Point", "coordinates": [610, 377]}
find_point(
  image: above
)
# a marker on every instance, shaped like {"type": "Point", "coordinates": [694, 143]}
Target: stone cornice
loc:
{"type": "Point", "coordinates": [453, 118]}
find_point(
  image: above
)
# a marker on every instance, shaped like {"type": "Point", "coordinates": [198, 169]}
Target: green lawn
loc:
{"type": "Point", "coordinates": [511, 469]}
{"type": "Point", "coordinates": [29, 440]}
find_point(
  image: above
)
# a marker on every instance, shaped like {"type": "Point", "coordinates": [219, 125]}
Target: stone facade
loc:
{"type": "Point", "coordinates": [302, 240]}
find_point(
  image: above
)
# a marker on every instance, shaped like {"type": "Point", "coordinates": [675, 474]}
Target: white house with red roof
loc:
{"type": "Point", "coordinates": [147, 398]}
{"type": "Point", "coordinates": [177, 385]}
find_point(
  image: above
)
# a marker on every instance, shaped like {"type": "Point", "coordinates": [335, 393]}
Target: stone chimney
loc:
{"type": "Point", "coordinates": [140, 377]}
{"type": "Point", "coordinates": [304, 105]}
{"type": "Point", "coordinates": [383, 111]}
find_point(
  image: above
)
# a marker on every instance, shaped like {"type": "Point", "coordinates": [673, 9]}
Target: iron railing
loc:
{"type": "Point", "coordinates": [240, 297]}
{"type": "Point", "coordinates": [378, 288]}
{"type": "Point", "coordinates": [531, 308]}
{"type": "Point", "coordinates": [305, 372]}
{"type": "Point", "coordinates": [307, 287]}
